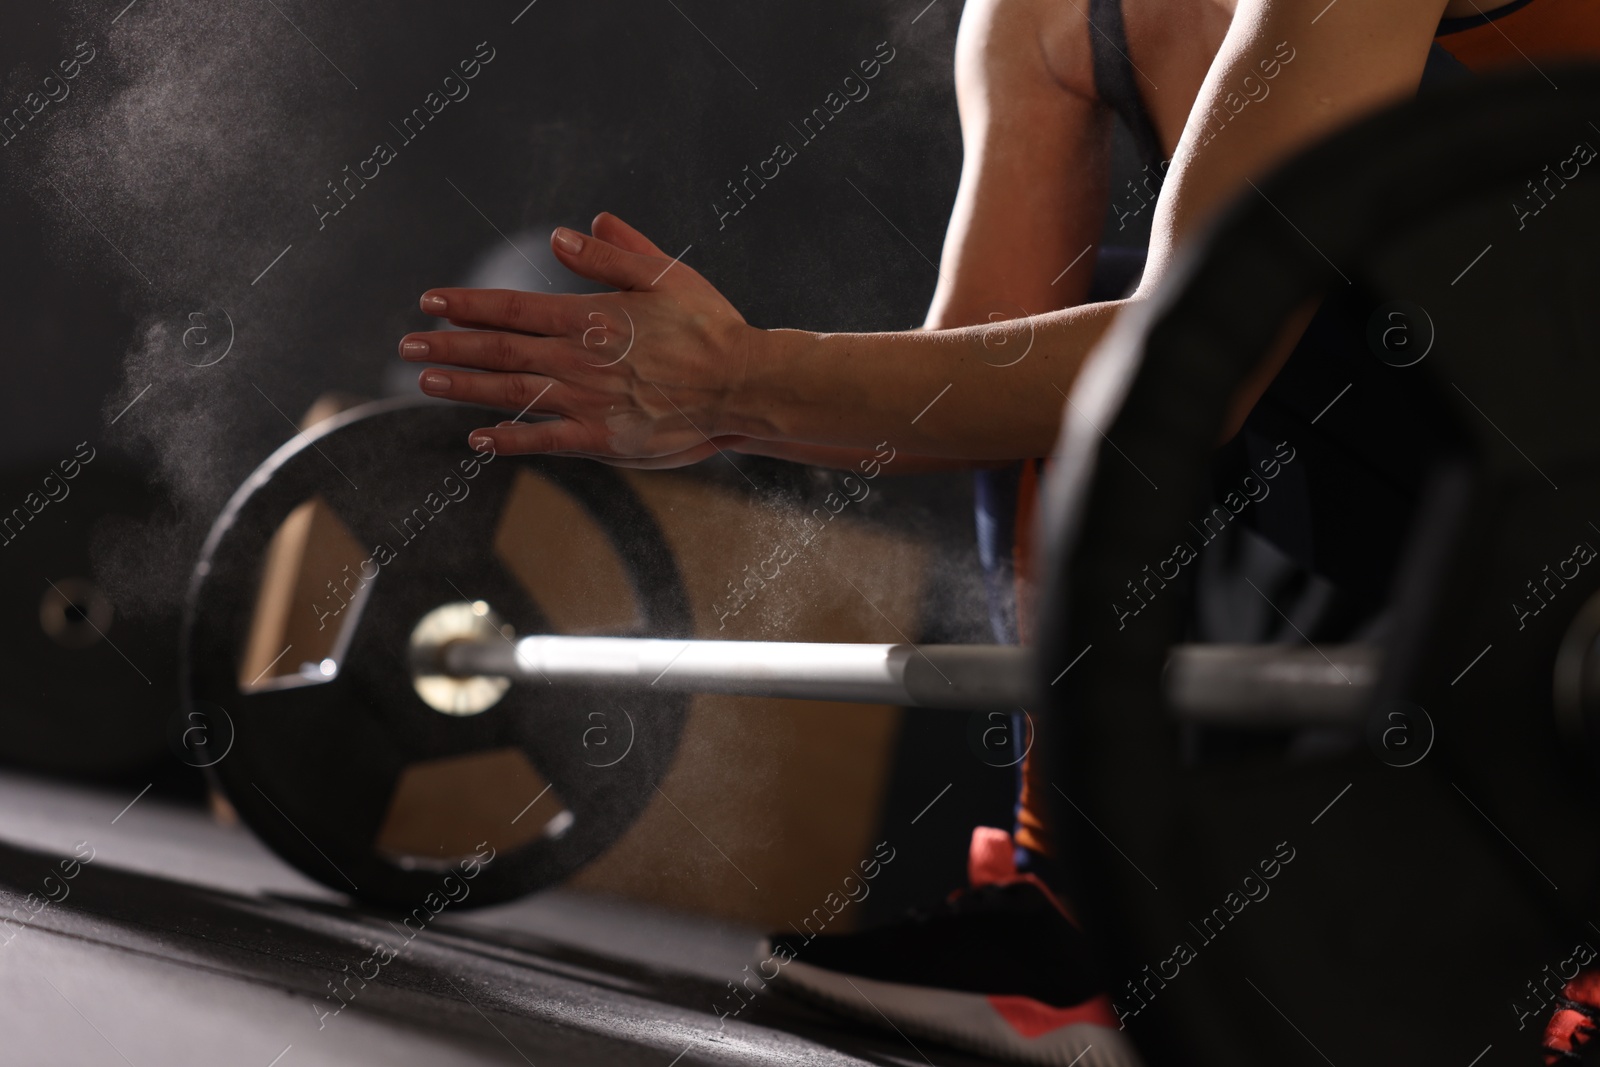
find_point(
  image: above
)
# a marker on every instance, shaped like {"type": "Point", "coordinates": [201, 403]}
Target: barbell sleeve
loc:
{"type": "Point", "coordinates": [1221, 685]}
{"type": "Point", "coordinates": [1271, 686]}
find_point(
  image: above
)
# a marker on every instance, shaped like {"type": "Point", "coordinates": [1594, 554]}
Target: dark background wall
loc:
{"type": "Point", "coordinates": [193, 147]}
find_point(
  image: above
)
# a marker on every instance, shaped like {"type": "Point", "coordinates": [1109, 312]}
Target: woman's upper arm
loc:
{"type": "Point", "coordinates": [1289, 73]}
{"type": "Point", "coordinates": [1033, 175]}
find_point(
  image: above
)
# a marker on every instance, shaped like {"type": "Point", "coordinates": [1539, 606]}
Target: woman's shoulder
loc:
{"type": "Point", "coordinates": [1055, 33]}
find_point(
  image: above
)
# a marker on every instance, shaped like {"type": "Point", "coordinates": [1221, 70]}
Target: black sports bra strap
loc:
{"type": "Point", "coordinates": [1115, 78]}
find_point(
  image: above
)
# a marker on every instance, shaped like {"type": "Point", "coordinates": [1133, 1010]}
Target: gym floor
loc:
{"type": "Point", "coordinates": [181, 919]}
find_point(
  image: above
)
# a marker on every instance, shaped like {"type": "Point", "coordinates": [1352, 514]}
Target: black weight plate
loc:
{"type": "Point", "coordinates": [89, 688]}
{"type": "Point", "coordinates": [1422, 895]}
{"type": "Point", "coordinates": [312, 768]}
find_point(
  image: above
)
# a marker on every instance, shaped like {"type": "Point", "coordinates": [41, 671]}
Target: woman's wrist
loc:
{"type": "Point", "coordinates": [978, 394]}
{"type": "Point", "coordinates": [772, 366]}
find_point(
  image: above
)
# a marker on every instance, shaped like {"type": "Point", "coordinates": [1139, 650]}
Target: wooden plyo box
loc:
{"type": "Point", "coordinates": [771, 803]}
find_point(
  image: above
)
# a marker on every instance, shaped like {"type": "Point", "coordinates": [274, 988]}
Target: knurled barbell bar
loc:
{"type": "Point", "coordinates": [1239, 685]}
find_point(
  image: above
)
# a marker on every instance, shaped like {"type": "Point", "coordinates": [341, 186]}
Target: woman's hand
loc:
{"type": "Point", "coordinates": [665, 372]}
{"type": "Point", "coordinates": [642, 376]}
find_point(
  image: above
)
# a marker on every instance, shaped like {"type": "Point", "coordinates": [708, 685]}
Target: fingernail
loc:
{"type": "Point", "coordinates": [414, 349]}
{"type": "Point", "coordinates": [567, 241]}
{"type": "Point", "coordinates": [435, 383]}
{"type": "Point", "coordinates": [433, 304]}
{"type": "Point", "coordinates": [481, 442]}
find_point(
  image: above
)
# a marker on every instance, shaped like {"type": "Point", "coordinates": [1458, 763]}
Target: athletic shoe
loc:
{"type": "Point", "coordinates": [1569, 1035]}
{"type": "Point", "coordinates": [1000, 969]}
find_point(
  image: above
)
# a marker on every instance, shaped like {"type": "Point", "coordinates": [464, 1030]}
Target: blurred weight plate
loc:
{"type": "Point", "coordinates": [88, 691]}
{"type": "Point", "coordinates": [1464, 801]}
{"type": "Point", "coordinates": [300, 616]}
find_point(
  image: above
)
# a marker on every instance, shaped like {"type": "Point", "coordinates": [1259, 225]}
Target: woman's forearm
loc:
{"type": "Point", "coordinates": [689, 376]}
{"type": "Point", "coordinates": [979, 393]}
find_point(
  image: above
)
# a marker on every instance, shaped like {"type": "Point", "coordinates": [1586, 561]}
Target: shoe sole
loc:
{"type": "Point", "coordinates": [966, 1021]}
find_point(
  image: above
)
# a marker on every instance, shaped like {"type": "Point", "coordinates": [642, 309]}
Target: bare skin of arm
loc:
{"type": "Point", "coordinates": [1033, 179]}
{"type": "Point", "coordinates": [1030, 204]}
{"type": "Point", "coordinates": [697, 373]}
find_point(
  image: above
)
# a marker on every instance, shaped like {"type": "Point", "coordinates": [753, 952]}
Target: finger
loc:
{"type": "Point", "coordinates": [551, 435]}
{"type": "Point", "coordinates": [608, 227]}
{"type": "Point", "coordinates": [547, 314]}
{"type": "Point", "coordinates": [493, 350]}
{"type": "Point", "coordinates": [602, 261]}
{"type": "Point", "coordinates": [521, 393]}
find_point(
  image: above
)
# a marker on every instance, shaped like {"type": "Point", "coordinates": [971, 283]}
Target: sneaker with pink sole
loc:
{"type": "Point", "coordinates": [1000, 968]}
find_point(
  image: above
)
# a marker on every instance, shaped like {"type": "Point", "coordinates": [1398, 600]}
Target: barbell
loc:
{"type": "Point", "coordinates": [1177, 765]}
{"type": "Point", "coordinates": [435, 662]}
{"type": "Point", "coordinates": [1212, 684]}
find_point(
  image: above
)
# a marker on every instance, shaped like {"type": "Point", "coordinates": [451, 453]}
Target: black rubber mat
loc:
{"type": "Point", "coordinates": [182, 942]}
